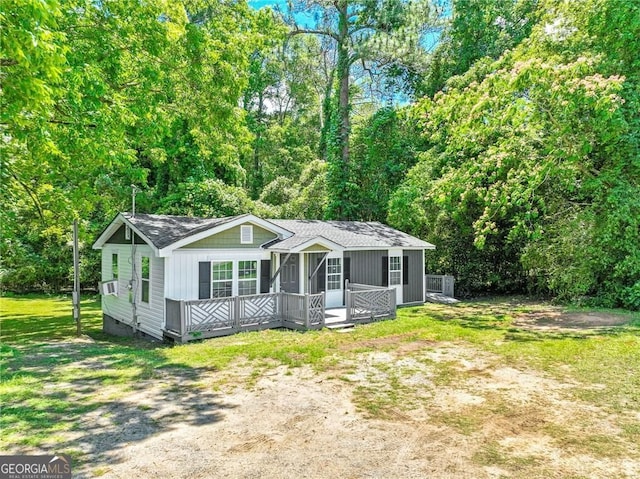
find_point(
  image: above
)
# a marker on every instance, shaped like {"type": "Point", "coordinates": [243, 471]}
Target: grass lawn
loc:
{"type": "Point", "coordinates": [50, 380]}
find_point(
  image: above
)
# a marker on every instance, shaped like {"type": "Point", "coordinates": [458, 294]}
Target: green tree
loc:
{"type": "Point", "coordinates": [533, 162]}
{"type": "Point", "coordinates": [368, 33]}
{"type": "Point", "coordinates": [385, 147]}
{"type": "Point", "coordinates": [102, 95]}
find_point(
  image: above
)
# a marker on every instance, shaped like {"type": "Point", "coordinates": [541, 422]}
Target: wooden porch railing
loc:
{"type": "Point", "coordinates": [369, 303]}
{"type": "Point", "coordinates": [442, 284]}
{"type": "Point", "coordinates": [207, 318]}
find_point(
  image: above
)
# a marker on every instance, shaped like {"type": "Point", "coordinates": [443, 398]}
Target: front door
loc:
{"type": "Point", "coordinates": [289, 275]}
{"type": "Point", "coordinates": [395, 273]}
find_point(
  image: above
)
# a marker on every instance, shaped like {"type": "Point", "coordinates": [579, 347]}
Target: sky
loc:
{"type": "Point", "coordinates": [258, 4]}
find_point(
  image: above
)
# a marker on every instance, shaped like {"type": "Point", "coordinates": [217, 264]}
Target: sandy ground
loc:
{"type": "Point", "coordinates": [299, 423]}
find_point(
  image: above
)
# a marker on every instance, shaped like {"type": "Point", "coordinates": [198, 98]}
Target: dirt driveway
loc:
{"type": "Point", "coordinates": [422, 410]}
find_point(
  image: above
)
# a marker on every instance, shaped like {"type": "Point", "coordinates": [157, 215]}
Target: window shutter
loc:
{"type": "Point", "coordinates": [405, 270]}
{"type": "Point", "coordinates": [347, 269]}
{"type": "Point", "coordinates": [385, 271]}
{"type": "Point", "coordinates": [321, 276]}
{"type": "Point", "coordinates": [204, 280]}
{"type": "Point", "coordinates": [265, 275]}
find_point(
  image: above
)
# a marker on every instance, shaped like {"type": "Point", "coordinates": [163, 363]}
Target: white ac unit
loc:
{"type": "Point", "coordinates": [108, 288]}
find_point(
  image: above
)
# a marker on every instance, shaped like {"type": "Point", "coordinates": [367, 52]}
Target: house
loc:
{"type": "Point", "coordinates": [184, 277]}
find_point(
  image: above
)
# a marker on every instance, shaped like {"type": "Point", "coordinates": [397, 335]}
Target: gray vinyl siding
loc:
{"type": "Point", "coordinates": [413, 292]}
{"type": "Point", "coordinates": [366, 266]}
{"type": "Point", "coordinates": [231, 239]}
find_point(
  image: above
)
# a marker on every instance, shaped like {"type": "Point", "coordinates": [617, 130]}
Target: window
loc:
{"type": "Point", "coordinates": [334, 273]}
{"type": "Point", "coordinates": [114, 265]}
{"type": "Point", "coordinates": [247, 277]}
{"type": "Point", "coordinates": [146, 267]}
{"type": "Point", "coordinates": [221, 279]}
{"type": "Point", "coordinates": [246, 234]}
{"type": "Point", "coordinates": [395, 270]}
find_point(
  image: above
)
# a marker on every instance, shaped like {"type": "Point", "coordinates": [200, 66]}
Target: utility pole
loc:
{"type": "Point", "coordinates": [76, 279]}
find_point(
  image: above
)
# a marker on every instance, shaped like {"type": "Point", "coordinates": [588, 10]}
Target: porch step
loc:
{"type": "Point", "coordinates": [339, 326]}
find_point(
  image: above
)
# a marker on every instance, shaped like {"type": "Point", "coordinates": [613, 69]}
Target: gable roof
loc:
{"type": "Point", "coordinates": [164, 230]}
{"type": "Point", "coordinates": [348, 234]}
{"type": "Point", "coordinates": [165, 233]}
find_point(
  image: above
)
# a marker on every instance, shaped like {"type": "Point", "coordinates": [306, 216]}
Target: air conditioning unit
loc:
{"type": "Point", "coordinates": [109, 288]}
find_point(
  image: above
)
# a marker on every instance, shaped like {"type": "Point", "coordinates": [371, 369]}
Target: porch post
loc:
{"type": "Point", "coordinates": [183, 321]}
{"type": "Point", "coordinates": [236, 312]}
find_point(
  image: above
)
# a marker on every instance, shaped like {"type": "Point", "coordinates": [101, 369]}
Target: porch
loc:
{"type": "Point", "coordinates": [188, 320]}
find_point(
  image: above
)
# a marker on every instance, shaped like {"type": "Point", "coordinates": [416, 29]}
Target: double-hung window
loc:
{"type": "Point", "coordinates": [221, 279]}
{"type": "Point", "coordinates": [395, 270]}
{"type": "Point", "coordinates": [145, 279]}
{"type": "Point", "coordinates": [334, 273]}
{"type": "Point", "coordinates": [247, 277]}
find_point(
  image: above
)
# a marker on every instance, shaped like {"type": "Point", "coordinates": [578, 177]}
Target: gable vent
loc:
{"type": "Point", "coordinates": [246, 234]}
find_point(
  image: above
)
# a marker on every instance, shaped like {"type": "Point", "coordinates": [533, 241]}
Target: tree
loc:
{"type": "Point", "coordinates": [101, 95]}
{"type": "Point", "coordinates": [283, 111]}
{"type": "Point", "coordinates": [533, 162]}
{"type": "Point", "coordinates": [373, 34]}
{"type": "Point", "coordinates": [385, 147]}
{"type": "Point", "coordinates": [477, 29]}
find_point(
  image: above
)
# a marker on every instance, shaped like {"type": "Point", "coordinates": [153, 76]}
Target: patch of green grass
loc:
{"type": "Point", "coordinates": [50, 380]}
{"type": "Point", "coordinates": [32, 318]}
{"type": "Point", "coordinates": [492, 454]}
{"type": "Point", "coordinates": [582, 442]}
{"type": "Point", "coordinates": [466, 424]}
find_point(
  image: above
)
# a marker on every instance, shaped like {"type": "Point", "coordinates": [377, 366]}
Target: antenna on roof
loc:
{"type": "Point", "coordinates": [134, 189]}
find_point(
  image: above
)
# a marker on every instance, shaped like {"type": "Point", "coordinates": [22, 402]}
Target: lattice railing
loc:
{"type": "Point", "coordinates": [258, 309]}
{"type": "Point", "coordinates": [371, 304]}
{"type": "Point", "coordinates": [315, 310]}
{"type": "Point", "coordinates": [442, 284]}
{"type": "Point", "coordinates": [209, 314]}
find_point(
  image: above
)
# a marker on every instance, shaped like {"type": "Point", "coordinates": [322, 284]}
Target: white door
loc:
{"type": "Point", "coordinates": [395, 274]}
{"type": "Point", "coordinates": [334, 283]}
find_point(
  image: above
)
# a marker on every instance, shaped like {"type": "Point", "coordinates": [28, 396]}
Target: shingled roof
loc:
{"type": "Point", "coordinates": [348, 234]}
{"type": "Point", "coordinates": [163, 230]}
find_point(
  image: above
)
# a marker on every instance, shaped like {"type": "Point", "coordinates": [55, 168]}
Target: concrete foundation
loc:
{"type": "Point", "coordinates": [117, 328]}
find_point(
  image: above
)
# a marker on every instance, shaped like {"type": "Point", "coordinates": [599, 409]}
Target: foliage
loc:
{"type": "Point", "coordinates": [100, 96]}
{"type": "Point", "coordinates": [384, 148]}
{"type": "Point", "coordinates": [365, 33]}
{"type": "Point", "coordinates": [477, 29]}
{"type": "Point", "coordinates": [306, 199]}
{"type": "Point", "coordinates": [533, 163]}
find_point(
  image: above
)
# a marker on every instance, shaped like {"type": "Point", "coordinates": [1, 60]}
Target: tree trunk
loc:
{"type": "Point", "coordinates": [342, 70]}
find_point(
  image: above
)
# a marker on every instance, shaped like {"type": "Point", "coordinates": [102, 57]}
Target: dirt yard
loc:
{"type": "Point", "coordinates": [401, 410]}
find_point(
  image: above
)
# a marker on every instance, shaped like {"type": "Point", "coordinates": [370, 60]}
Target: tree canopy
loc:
{"type": "Point", "coordinates": [532, 176]}
{"type": "Point", "coordinates": [518, 155]}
